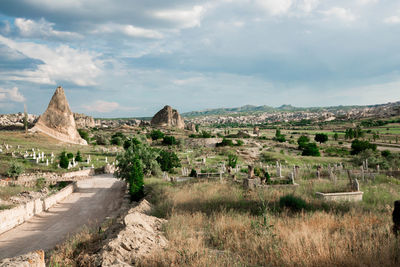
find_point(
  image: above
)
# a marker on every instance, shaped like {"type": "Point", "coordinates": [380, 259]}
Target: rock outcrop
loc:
{"type": "Point", "coordinates": [32, 259]}
{"type": "Point", "coordinates": [168, 117]}
{"type": "Point", "coordinates": [83, 121]}
{"type": "Point", "coordinates": [16, 121]}
{"type": "Point", "coordinates": [141, 236]}
{"type": "Point", "coordinates": [191, 127]}
{"type": "Point", "coordinates": [58, 120]}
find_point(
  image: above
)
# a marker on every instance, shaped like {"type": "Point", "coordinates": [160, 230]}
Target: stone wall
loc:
{"type": "Point", "coordinates": [13, 217]}
{"type": "Point", "coordinates": [32, 259]}
{"type": "Point", "coordinates": [29, 179]}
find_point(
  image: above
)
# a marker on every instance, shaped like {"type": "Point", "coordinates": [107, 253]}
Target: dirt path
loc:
{"type": "Point", "coordinates": [95, 199]}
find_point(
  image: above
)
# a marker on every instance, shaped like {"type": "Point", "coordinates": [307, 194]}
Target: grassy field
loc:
{"type": "Point", "coordinates": [214, 224]}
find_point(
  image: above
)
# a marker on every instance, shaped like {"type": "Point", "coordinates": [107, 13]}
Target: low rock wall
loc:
{"type": "Point", "coordinates": [32, 259]}
{"type": "Point", "coordinates": [13, 217]}
{"type": "Point", "coordinates": [51, 177]}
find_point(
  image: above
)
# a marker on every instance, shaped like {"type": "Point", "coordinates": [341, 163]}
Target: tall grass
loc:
{"type": "Point", "coordinates": [213, 224]}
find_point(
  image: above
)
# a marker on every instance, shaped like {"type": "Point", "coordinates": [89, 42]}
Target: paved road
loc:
{"type": "Point", "coordinates": [94, 200]}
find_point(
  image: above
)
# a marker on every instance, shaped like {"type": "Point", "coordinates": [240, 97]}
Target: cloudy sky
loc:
{"type": "Point", "coordinates": [129, 58]}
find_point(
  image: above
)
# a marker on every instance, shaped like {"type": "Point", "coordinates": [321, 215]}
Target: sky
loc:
{"type": "Point", "coordinates": [129, 58]}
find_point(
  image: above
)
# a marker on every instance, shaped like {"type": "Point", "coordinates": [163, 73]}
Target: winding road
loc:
{"type": "Point", "coordinates": [94, 200]}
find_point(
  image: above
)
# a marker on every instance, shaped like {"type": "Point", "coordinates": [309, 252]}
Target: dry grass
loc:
{"type": "Point", "coordinates": [212, 224]}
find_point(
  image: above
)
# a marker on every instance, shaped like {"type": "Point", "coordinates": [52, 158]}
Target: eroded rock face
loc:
{"type": "Point", "coordinates": [83, 121]}
{"type": "Point", "coordinates": [168, 117]}
{"type": "Point", "coordinates": [191, 127]}
{"type": "Point", "coordinates": [58, 120]}
{"type": "Point", "coordinates": [16, 121]}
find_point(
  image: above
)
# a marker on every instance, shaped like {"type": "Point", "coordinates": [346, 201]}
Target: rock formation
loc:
{"type": "Point", "coordinates": [83, 121]}
{"type": "Point", "coordinates": [191, 127]}
{"type": "Point", "coordinates": [16, 121]}
{"type": "Point", "coordinates": [58, 120]}
{"type": "Point", "coordinates": [168, 117]}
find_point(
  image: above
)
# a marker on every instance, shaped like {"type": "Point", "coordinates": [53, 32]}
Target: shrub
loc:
{"type": "Point", "coordinates": [225, 142]}
{"type": "Point", "coordinates": [116, 140]}
{"type": "Point", "coordinates": [14, 170]}
{"type": "Point", "coordinates": [357, 146]}
{"type": "Point", "coordinates": [232, 160]}
{"type": "Point", "coordinates": [386, 153]}
{"type": "Point", "coordinates": [292, 203]}
{"type": "Point", "coordinates": [135, 180]}
{"type": "Point", "coordinates": [70, 155]}
{"type": "Point", "coordinates": [279, 137]}
{"type": "Point", "coordinates": [78, 156]}
{"type": "Point", "coordinates": [193, 173]}
{"type": "Point", "coordinates": [303, 141]}
{"type": "Point", "coordinates": [156, 134]}
{"type": "Point", "coordinates": [168, 160]}
{"type": "Point", "coordinates": [101, 140]}
{"type": "Point", "coordinates": [64, 161]}
{"type": "Point", "coordinates": [321, 138]}
{"type": "Point", "coordinates": [84, 134]}
{"type": "Point", "coordinates": [169, 140]}
{"type": "Point", "coordinates": [40, 182]}
{"type": "Point", "coordinates": [239, 143]}
{"type": "Point", "coordinates": [131, 142]}
{"type": "Point", "coordinates": [311, 149]}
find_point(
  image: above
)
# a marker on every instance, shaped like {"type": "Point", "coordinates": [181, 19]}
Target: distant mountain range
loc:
{"type": "Point", "coordinates": [251, 109]}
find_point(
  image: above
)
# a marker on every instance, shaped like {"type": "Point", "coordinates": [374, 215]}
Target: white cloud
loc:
{"type": "Point", "coordinates": [42, 28]}
{"type": "Point", "coordinates": [185, 18]}
{"type": "Point", "coordinates": [188, 80]}
{"type": "Point", "coordinates": [61, 63]}
{"type": "Point", "coordinates": [392, 20]}
{"type": "Point", "coordinates": [308, 5]}
{"type": "Point", "coordinates": [102, 106]}
{"type": "Point", "coordinates": [128, 30]}
{"type": "Point", "coordinates": [340, 13]}
{"type": "Point", "coordinates": [275, 7]}
{"type": "Point", "coordinates": [366, 2]}
{"type": "Point", "coordinates": [12, 94]}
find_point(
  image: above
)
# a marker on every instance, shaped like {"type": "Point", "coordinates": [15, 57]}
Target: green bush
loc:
{"type": "Point", "coordinates": [168, 160]}
{"type": "Point", "coordinates": [358, 146]}
{"type": "Point", "coordinates": [232, 160]}
{"type": "Point", "coordinates": [131, 142]}
{"type": "Point", "coordinates": [193, 173]}
{"type": "Point", "coordinates": [239, 142]}
{"type": "Point", "coordinates": [303, 141]}
{"type": "Point", "coordinates": [116, 140]}
{"type": "Point", "coordinates": [84, 134]}
{"type": "Point", "coordinates": [156, 134]}
{"type": "Point", "coordinates": [78, 157]}
{"type": "Point", "coordinates": [70, 155]}
{"type": "Point", "coordinates": [311, 149]}
{"type": "Point", "coordinates": [64, 161]}
{"type": "Point", "coordinates": [169, 140]}
{"type": "Point", "coordinates": [225, 142]}
{"type": "Point", "coordinates": [14, 170]}
{"type": "Point", "coordinates": [292, 203]}
{"type": "Point", "coordinates": [321, 138]}
{"type": "Point", "coordinates": [40, 182]}
{"type": "Point", "coordinates": [101, 140]}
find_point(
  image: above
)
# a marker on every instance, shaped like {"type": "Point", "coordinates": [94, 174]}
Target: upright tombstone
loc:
{"type": "Point", "coordinates": [58, 120]}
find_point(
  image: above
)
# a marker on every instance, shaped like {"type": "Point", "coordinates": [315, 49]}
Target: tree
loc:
{"type": "Point", "coordinates": [358, 146]}
{"type": "Point", "coordinates": [64, 161]}
{"type": "Point", "coordinates": [168, 160]}
{"type": "Point", "coordinates": [336, 136]}
{"type": "Point", "coordinates": [303, 141]}
{"type": "Point", "coordinates": [321, 138]}
{"type": "Point", "coordinates": [311, 149]}
{"type": "Point", "coordinates": [156, 134]}
{"type": "Point", "coordinates": [78, 156]}
{"type": "Point", "coordinates": [70, 155]}
{"type": "Point", "coordinates": [130, 169]}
